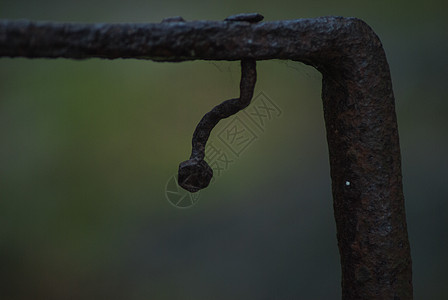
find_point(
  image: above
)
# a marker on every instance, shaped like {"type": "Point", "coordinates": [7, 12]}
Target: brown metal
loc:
{"type": "Point", "coordinates": [195, 174]}
{"type": "Point", "coordinates": [359, 114]}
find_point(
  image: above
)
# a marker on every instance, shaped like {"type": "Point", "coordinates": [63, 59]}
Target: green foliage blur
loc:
{"type": "Point", "coordinates": [87, 149]}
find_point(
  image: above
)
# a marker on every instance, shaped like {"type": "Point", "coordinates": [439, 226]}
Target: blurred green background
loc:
{"type": "Point", "coordinates": [87, 149]}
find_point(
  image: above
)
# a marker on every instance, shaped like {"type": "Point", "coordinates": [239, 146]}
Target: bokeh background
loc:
{"type": "Point", "coordinates": [88, 147]}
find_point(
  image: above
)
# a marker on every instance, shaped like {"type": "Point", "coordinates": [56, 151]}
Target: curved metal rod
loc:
{"type": "Point", "coordinates": [195, 174]}
{"type": "Point", "coordinates": [359, 111]}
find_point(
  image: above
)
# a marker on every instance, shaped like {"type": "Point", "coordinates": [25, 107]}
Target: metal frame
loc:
{"type": "Point", "coordinates": [359, 109]}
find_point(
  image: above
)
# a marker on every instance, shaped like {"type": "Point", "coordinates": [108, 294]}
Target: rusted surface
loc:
{"type": "Point", "coordinates": [246, 17]}
{"type": "Point", "coordinates": [195, 174]}
{"type": "Point", "coordinates": [365, 165]}
{"type": "Point", "coordinates": [358, 106]}
{"type": "Point", "coordinates": [173, 19]}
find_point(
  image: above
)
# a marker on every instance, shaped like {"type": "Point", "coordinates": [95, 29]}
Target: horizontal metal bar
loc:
{"type": "Point", "coordinates": [303, 39]}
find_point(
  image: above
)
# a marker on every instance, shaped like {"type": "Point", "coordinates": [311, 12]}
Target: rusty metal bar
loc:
{"type": "Point", "coordinates": [359, 114]}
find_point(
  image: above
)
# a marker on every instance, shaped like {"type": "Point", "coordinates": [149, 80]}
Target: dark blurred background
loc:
{"type": "Point", "coordinates": [88, 149]}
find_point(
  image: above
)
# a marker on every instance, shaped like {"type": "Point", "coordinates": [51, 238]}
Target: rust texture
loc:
{"type": "Point", "coordinates": [358, 103]}
{"type": "Point", "coordinates": [195, 174]}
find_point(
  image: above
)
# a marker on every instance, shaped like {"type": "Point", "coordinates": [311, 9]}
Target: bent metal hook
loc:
{"type": "Point", "coordinates": [195, 174]}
